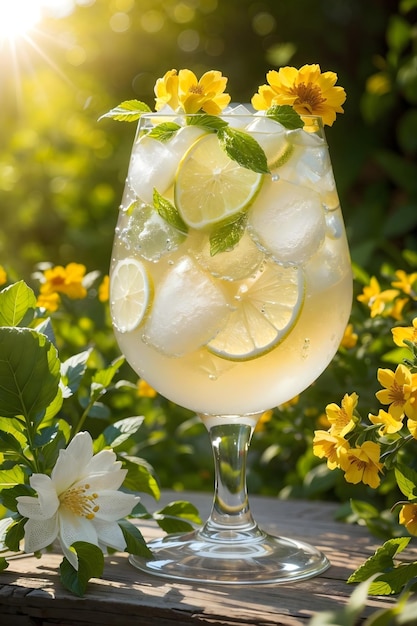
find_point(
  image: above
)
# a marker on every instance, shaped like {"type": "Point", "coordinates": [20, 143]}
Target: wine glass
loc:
{"type": "Point", "coordinates": [230, 289]}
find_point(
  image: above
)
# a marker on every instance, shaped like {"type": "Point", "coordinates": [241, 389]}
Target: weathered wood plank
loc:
{"type": "Point", "coordinates": [31, 593]}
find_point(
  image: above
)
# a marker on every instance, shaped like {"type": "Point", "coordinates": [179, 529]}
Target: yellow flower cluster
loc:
{"type": "Point", "coordinates": [362, 463]}
{"type": "Point", "coordinates": [61, 280]}
{"type": "Point", "coordinates": [386, 302]}
{"type": "Point", "coordinates": [308, 90]}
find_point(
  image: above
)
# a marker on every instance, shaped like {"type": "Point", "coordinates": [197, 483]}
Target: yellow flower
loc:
{"type": "Point", "coordinates": [388, 423]}
{"type": "Point", "coordinates": [379, 84]}
{"type": "Point", "coordinates": [341, 418]}
{"type": "Point", "coordinates": [396, 311]}
{"type": "Point", "coordinates": [408, 518]}
{"type": "Point", "coordinates": [362, 464]}
{"type": "Point", "coordinates": [3, 275]}
{"type": "Point", "coordinates": [397, 393]}
{"type": "Point", "coordinates": [409, 333]}
{"type": "Point", "coordinates": [350, 338]}
{"type": "Point", "coordinates": [49, 301]}
{"type": "Point", "coordinates": [406, 282]}
{"type": "Point", "coordinates": [184, 91]}
{"type": "Point", "coordinates": [412, 427]}
{"type": "Point", "coordinates": [307, 90]}
{"type": "Point", "coordinates": [331, 447]}
{"type": "Point", "coordinates": [103, 290]}
{"type": "Point", "coordinates": [145, 390]}
{"type": "Point", "coordinates": [67, 280]}
{"type": "Point", "coordinates": [376, 299]}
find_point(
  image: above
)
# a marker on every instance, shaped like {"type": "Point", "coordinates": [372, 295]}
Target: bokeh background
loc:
{"type": "Point", "coordinates": [62, 174]}
{"type": "Point", "coordinates": [62, 171]}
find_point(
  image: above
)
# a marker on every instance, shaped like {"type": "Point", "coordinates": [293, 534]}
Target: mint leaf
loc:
{"type": "Point", "coordinates": [227, 236]}
{"type": "Point", "coordinates": [177, 517]}
{"type": "Point", "coordinates": [135, 543]}
{"type": "Point", "coordinates": [164, 131]}
{"type": "Point", "coordinates": [285, 115]}
{"type": "Point", "coordinates": [381, 561]}
{"type": "Point", "coordinates": [210, 122]}
{"type": "Point", "coordinates": [168, 212]}
{"type": "Point", "coordinates": [244, 149]}
{"type": "Point", "coordinates": [90, 564]}
{"type": "Point", "coordinates": [393, 581]}
{"type": "Point", "coordinates": [127, 111]}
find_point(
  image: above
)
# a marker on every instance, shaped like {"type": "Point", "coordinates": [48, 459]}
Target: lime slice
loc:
{"type": "Point", "coordinates": [130, 294]}
{"type": "Point", "coordinates": [210, 187]}
{"type": "Point", "coordinates": [268, 307]}
{"type": "Point", "coordinates": [279, 159]}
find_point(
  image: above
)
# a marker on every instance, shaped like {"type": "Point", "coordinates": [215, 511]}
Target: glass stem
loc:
{"type": "Point", "coordinates": [230, 518]}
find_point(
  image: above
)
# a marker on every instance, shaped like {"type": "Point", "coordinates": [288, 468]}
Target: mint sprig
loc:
{"type": "Point", "coordinates": [164, 131]}
{"type": "Point", "coordinates": [285, 115]}
{"type": "Point", "coordinates": [226, 236]}
{"type": "Point", "coordinates": [127, 111]}
{"type": "Point", "coordinates": [168, 212]}
{"type": "Point", "coordinates": [244, 149]}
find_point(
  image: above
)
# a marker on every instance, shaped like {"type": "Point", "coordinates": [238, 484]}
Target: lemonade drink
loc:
{"type": "Point", "coordinates": [230, 288]}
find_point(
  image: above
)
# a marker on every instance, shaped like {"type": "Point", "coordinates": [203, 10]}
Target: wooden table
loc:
{"type": "Point", "coordinates": [31, 593]}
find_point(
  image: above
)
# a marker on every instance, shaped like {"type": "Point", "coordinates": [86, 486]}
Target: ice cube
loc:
{"type": "Point", "coordinates": [154, 163]}
{"type": "Point", "coordinates": [188, 310]}
{"type": "Point", "coordinates": [287, 222]}
{"type": "Point", "coordinates": [238, 116]}
{"type": "Point", "coordinates": [146, 233]}
{"type": "Point", "coordinates": [270, 135]}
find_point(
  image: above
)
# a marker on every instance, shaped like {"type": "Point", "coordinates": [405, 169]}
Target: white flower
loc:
{"type": "Point", "coordinates": [79, 502]}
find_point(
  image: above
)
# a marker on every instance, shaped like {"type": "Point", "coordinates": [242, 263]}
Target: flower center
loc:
{"type": "Point", "coordinates": [196, 89]}
{"type": "Point", "coordinates": [79, 502]}
{"type": "Point", "coordinates": [396, 394]}
{"type": "Point", "coordinates": [309, 96]}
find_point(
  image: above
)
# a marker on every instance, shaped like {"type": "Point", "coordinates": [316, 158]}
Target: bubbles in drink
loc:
{"type": "Point", "coordinates": [147, 234]}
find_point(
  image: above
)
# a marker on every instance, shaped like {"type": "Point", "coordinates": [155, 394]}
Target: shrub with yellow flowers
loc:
{"type": "Point", "coordinates": [381, 446]}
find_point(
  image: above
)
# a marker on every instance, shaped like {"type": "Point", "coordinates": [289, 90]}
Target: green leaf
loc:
{"type": "Point", "coordinates": [127, 111]}
{"type": "Point", "coordinates": [29, 372]}
{"type": "Point", "coordinates": [15, 534]}
{"type": "Point", "coordinates": [49, 452]}
{"type": "Point", "coordinates": [394, 581]}
{"type": "Point", "coordinates": [90, 565]}
{"type": "Point", "coordinates": [117, 433]}
{"type": "Point", "coordinates": [8, 496]}
{"type": "Point", "coordinates": [244, 149]}
{"type": "Point", "coordinates": [135, 543]}
{"type": "Point", "coordinates": [11, 477]}
{"type": "Point", "coordinates": [285, 115]}
{"type": "Point", "coordinates": [225, 237]}
{"type": "Point", "coordinates": [210, 122]}
{"type": "Point", "coordinates": [406, 479]}
{"type": "Point", "coordinates": [17, 303]}
{"type": "Point", "coordinates": [9, 443]}
{"type": "Point", "coordinates": [3, 564]}
{"type": "Point", "coordinates": [140, 476]}
{"type": "Point", "coordinates": [168, 212]}
{"type": "Point", "coordinates": [164, 131]}
{"type": "Point", "coordinates": [73, 370]}
{"type": "Point", "coordinates": [177, 516]}
{"type": "Point", "coordinates": [381, 561]}
{"type": "Point", "coordinates": [104, 377]}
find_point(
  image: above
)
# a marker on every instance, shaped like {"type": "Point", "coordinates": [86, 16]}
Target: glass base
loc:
{"type": "Point", "coordinates": [262, 559]}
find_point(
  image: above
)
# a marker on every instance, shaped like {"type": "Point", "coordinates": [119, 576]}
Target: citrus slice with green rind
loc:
{"type": "Point", "coordinates": [210, 187]}
{"type": "Point", "coordinates": [130, 294]}
{"type": "Point", "coordinates": [267, 309]}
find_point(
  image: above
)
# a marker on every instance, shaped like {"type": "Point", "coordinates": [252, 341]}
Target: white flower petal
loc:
{"type": "Point", "coordinates": [48, 500]}
{"type": "Point", "coordinates": [71, 463]}
{"type": "Point", "coordinates": [40, 533]}
{"type": "Point", "coordinates": [30, 507]}
{"type": "Point", "coordinates": [114, 505]}
{"type": "Point", "coordinates": [103, 461]}
{"type": "Point", "coordinates": [110, 535]}
{"type": "Point", "coordinates": [106, 481]}
{"type": "Point", "coordinates": [74, 528]}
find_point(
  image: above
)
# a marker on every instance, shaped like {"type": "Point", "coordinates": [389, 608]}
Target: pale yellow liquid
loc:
{"type": "Point", "coordinates": [206, 383]}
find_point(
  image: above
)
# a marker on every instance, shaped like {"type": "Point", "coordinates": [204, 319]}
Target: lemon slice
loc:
{"type": "Point", "coordinates": [268, 307]}
{"type": "Point", "coordinates": [210, 187]}
{"type": "Point", "coordinates": [130, 294]}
